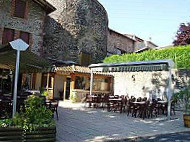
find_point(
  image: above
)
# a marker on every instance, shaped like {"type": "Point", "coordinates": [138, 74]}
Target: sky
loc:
{"type": "Point", "coordinates": [155, 19]}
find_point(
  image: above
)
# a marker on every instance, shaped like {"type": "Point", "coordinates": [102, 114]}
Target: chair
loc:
{"type": "Point", "coordinates": [153, 109]}
{"type": "Point", "coordinates": [6, 109]}
{"type": "Point", "coordinates": [53, 105]}
{"type": "Point", "coordinates": [130, 106]}
{"type": "Point", "coordinates": [88, 99]}
{"type": "Point", "coordinates": [173, 106]}
{"type": "Point", "coordinates": [139, 99]}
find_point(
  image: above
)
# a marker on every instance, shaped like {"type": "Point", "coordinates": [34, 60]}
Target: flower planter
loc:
{"type": "Point", "coordinates": [11, 134]}
{"type": "Point", "coordinates": [41, 135]}
{"type": "Point", "coordinates": [19, 135]}
{"type": "Point", "coordinates": [186, 119]}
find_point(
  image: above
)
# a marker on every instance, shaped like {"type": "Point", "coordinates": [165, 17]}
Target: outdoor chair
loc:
{"type": "Point", "coordinates": [139, 99]}
{"type": "Point", "coordinates": [88, 100]}
{"type": "Point", "coordinates": [152, 109]}
{"type": "Point", "coordinates": [105, 100]}
{"type": "Point", "coordinates": [173, 107]}
{"type": "Point", "coordinates": [144, 99]}
{"type": "Point", "coordinates": [143, 110]}
{"type": "Point", "coordinates": [115, 105]}
{"type": "Point", "coordinates": [130, 106]}
{"type": "Point", "coordinates": [53, 106]}
{"type": "Point", "coordinates": [6, 108]}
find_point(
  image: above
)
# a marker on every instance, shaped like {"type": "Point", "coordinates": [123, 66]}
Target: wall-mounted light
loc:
{"type": "Point", "coordinates": [133, 78]}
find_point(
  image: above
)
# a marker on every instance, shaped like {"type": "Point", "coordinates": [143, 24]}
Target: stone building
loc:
{"type": "Point", "coordinates": [77, 31]}
{"type": "Point", "coordinates": [119, 43]}
{"type": "Point", "coordinates": [140, 44]}
{"type": "Point", "coordinates": [24, 19]}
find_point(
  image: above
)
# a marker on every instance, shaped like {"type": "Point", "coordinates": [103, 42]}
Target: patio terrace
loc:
{"type": "Point", "coordinates": [78, 123]}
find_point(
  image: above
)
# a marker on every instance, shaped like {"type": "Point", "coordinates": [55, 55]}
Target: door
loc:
{"type": "Point", "coordinates": [68, 88]}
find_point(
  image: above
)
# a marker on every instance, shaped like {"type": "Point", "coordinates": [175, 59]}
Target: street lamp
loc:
{"type": "Point", "coordinates": [18, 45]}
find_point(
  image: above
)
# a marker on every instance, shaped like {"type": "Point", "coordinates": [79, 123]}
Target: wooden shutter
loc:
{"type": "Point", "coordinates": [20, 8]}
{"type": "Point", "coordinates": [25, 36]}
{"type": "Point", "coordinates": [8, 35]}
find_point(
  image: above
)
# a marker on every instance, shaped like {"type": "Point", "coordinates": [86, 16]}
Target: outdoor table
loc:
{"type": "Point", "coordinates": [140, 103]}
{"type": "Point", "coordinates": [93, 96]}
{"type": "Point", "coordinates": [119, 99]}
{"type": "Point", "coordinates": [33, 91]}
{"type": "Point", "coordinates": [162, 102]}
{"type": "Point", "coordinates": [115, 102]}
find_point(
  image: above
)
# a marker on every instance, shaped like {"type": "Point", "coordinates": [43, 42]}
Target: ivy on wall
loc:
{"type": "Point", "coordinates": [180, 55]}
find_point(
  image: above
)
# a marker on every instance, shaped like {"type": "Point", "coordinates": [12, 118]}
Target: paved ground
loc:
{"type": "Point", "coordinates": [174, 137]}
{"type": "Point", "coordinates": [77, 124]}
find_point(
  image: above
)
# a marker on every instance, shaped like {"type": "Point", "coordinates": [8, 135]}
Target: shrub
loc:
{"type": "Point", "coordinates": [180, 55]}
{"type": "Point", "coordinates": [36, 115]}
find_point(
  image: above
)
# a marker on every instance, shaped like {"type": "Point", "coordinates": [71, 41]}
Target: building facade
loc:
{"type": "Point", "coordinates": [77, 31]}
{"type": "Point", "coordinates": [22, 19]}
{"type": "Point", "coordinates": [25, 20]}
{"type": "Point", "coordinates": [119, 43]}
{"type": "Point", "coordinates": [140, 44]}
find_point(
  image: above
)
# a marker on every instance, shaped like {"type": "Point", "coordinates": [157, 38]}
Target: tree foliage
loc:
{"type": "Point", "coordinates": [180, 55]}
{"type": "Point", "coordinates": [183, 35]}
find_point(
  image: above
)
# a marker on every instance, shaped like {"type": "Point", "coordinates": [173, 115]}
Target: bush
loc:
{"type": "Point", "coordinates": [180, 55]}
{"type": "Point", "coordinates": [74, 97]}
{"type": "Point", "coordinates": [36, 115]}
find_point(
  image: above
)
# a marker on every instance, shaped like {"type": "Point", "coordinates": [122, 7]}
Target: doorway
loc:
{"type": "Point", "coordinates": [67, 96]}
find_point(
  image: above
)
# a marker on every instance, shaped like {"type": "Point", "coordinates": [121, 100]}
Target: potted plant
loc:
{"type": "Point", "coordinates": [183, 97]}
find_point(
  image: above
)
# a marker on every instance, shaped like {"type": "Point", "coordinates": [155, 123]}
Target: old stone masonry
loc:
{"type": "Point", "coordinates": [77, 26]}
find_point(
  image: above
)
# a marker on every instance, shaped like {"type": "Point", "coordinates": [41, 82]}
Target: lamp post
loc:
{"type": "Point", "coordinates": [18, 45]}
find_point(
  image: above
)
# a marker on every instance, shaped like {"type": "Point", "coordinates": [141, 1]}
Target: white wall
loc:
{"type": "Point", "coordinates": [59, 80]}
{"type": "Point", "coordinates": [140, 84]}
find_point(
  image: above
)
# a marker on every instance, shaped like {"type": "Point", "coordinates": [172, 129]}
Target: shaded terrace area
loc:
{"type": "Point", "coordinates": [78, 123]}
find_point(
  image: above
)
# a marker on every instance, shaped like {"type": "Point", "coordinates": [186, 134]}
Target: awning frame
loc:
{"type": "Point", "coordinates": [156, 65]}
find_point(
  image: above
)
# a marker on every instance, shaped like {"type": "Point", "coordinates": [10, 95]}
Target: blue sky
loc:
{"type": "Point", "coordinates": [158, 19]}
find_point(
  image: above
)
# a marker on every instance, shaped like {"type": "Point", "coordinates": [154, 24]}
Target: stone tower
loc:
{"type": "Point", "coordinates": [76, 27]}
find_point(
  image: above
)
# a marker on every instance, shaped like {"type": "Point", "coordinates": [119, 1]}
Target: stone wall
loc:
{"type": "Point", "coordinates": [149, 84]}
{"type": "Point", "coordinates": [76, 26]}
{"type": "Point", "coordinates": [33, 23]}
{"type": "Point", "coordinates": [119, 41]}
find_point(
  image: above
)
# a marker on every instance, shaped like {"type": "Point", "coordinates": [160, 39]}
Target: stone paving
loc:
{"type": "Point", "coordinates": [78, 123]}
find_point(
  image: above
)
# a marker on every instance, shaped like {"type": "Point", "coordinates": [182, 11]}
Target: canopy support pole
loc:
{"type": "Point", "coordinates": [47, 86]}
{"type": "Point", "coordinates": [91, 82]}
{"type": "Point", "coordinates": [16, 82]}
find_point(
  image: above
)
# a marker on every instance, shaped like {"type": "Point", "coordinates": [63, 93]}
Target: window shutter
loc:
{"type": "Point", "coordinates": [20, 7]}
{"type": "Point", "coordinates": [25, 36]}
{"type": "Point", "coordinates": [8, 35]}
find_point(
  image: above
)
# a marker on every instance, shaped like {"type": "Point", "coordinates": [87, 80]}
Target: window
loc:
{"type": "Point", "coordinates": [8, 35]}
{"type": "Point", "coordinates": [79, 82]}
{"type": "Point", "coordinates": [82, 83]}
{"type": "Point", "coordinates": [85, 59]}
{"type": "Point", "coordinates": [25, 36]}
{"type": "Point", "coordinates": [44, 80]}
{"type": "Point", "coordinates": [20, 8]}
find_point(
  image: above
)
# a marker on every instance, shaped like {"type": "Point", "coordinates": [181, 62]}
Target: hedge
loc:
{"type": "Point", "coordinates": [180, 55]}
